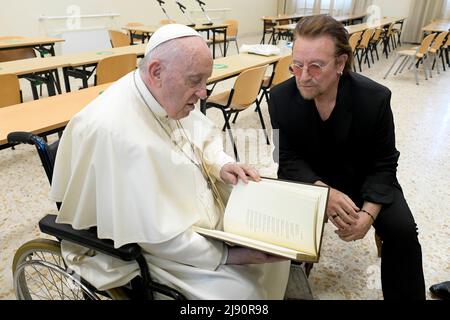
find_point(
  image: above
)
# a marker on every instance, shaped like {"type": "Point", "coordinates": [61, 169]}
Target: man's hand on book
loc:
{"type": "Point", "coordinates": [232, 172]}
{"type": "Point", "coordinates": [239, 255]}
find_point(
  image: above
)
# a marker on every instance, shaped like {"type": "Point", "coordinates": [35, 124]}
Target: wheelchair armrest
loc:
{"type": "Point", "coordinates": [88, 238]}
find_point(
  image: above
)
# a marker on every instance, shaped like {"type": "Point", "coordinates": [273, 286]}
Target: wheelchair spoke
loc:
{"type": "Point", "coordinates": [37, 287]}
{"type": "Point", "coordinates": [41, 274]}
{"type": "Point", "coordinates": [42, 280]}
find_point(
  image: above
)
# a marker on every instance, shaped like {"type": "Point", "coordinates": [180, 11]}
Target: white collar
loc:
{"type": "Point", "coordinates": [150, 101]}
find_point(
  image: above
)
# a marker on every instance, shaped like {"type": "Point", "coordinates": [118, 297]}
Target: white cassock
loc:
{"type": "Point", "coordinates": [117, 169]}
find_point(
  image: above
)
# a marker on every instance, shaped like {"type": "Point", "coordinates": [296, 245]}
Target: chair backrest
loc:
{"type": "Point", "coordinates": [281, 72]}
{"type": "Point", "coordinates": [118, 39]}
{"type": "Point", "coordinates": [9, 90]}
{"type": "Point", "coordinates": [166, 21]}
{"type": "Point", "coordinates": [400, 23]}
{"type": "Point", "coordinates": [390, 31]}
{"type": "Point", "coordinates": [232, 28]}
{"type": "Point", "coordinates": [367, 35]}
{"type": "Point", "coordinates": [246, 87]}
{"type": "Point", "coordinates": [425, 45]}
{"type": "Point", "coordinates": [17, 54]}
{"type": "Point", "coordinates": [377, 35]}
{"type": "Point", "coordinates": [439, 41]}
{"type": "Point", "coordinates": [47, 152]}
{"type": "Point", "coordinates": [113, 68]}
{"type": "Point", "coordinates": [354, 39]}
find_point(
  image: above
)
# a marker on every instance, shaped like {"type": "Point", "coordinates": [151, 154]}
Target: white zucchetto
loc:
{"type": "Point", "coordinates": [169, 32]}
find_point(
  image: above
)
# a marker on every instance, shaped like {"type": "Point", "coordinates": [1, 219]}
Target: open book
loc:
{"type": "Point", "coordinates": [278, 217]}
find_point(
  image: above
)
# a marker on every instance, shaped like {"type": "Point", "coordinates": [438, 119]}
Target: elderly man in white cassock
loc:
{"type": "Point", "coordinates": [143, 166]}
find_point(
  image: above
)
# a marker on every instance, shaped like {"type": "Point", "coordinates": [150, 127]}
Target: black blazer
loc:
{"type": "Point", "coordinates": [353, 151]}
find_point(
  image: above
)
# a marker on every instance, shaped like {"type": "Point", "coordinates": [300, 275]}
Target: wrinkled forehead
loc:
{"type": "Point", "coordinates": [194, 54]}
{"type": "Point", "coordinates": [322, 48]}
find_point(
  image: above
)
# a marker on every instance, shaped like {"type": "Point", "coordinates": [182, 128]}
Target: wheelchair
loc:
{"type": "Point", "coordinates": [39, 270]}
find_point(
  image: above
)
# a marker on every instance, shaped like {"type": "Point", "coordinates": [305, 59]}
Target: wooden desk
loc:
{"type": "Point", "coordinates": [273, 22]}
{"type": "Point", "coordinates": [40, 67]}
{"type": "Point", "coordinates": [231, 66]}
{"type": "Point", "coordinates": [91, 59]}
{"type": "Point", "coordinates": [349, 19]}
{"type": "Point", "coordinates": [43, 45]}
{"type": "Point", "coordinates": [291, 17]}
{"type": "Point", "coordinates": [44, 116]}
{"type": "Point", "coordinates": [383, 23]}
{"type": "Point", "coordinates": [356, 28]}
{"type": "Point", "coordinates": [437, 26]}
{"type": "Point", "coordinates": [228, 67]}
{"type": "Point", "coordinates": [34, 65]}
{"type": "Point", "coordinates": [147, 31]}
{"type": "Point", "coordinates": [351, 29]}
{"type": "Point", "coordinates": [291, 27]}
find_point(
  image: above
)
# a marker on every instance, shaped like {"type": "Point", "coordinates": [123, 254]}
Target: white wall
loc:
{"type": "Point", "coordinates": [393, 8]}
{"type": "Point", "coordinates": [21, 16]}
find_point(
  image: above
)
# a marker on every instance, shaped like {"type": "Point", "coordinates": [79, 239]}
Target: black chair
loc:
{"type": "Point", "coordinates": [39, 269]}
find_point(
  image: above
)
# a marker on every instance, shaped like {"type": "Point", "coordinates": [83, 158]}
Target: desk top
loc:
{"type": "Point", "coordinates": [349, 17]}
{"type": "Point", "coordinates": [92, 57]}
{"type": "Point", "coordinates": [26, 42]}
{"type": "Point", "coordinates": [353, 28]}
{"type": "Point", "coordinates": [287, 17]}
{"type": "Point", "coordinates": [27, 66]}
{"type": "Point", "coordinates": [437, 26]}
{"type": "Point", "coordinates": [46, 114]}
{"type": "Point", "coordinates": [152, 29]}
{"type": "Point", "coordinates": [33, 65]}
{"type": "Point", "coordinates": [230, 66]}
{"type": "Point", "coordinates": [291, 26]}
{"type": "Point", "coordinates": [363, 26]}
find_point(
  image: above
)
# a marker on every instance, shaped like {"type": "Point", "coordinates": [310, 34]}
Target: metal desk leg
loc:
{"type": "Point", "coordinates": [50, 83]}
{"type": "Point", "coordinates": [66, 79]}
{"type": "Point", "coordinates": [225, 42]}
{"type": "Point", "coordinates": [34, 91]}
{"type": "Point", "coordinates": [214, 43]}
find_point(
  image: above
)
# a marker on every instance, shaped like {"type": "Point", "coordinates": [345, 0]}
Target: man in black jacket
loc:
{"type": "Point", "coordinates": [336, 128]}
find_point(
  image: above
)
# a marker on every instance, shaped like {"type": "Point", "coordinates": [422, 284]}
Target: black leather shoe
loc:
{"type": "Point", "coordinates": [441, 290]}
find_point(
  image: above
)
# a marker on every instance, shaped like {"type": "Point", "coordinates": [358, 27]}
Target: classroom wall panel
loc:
{"type": "Point", "coordinates": [21, 17]}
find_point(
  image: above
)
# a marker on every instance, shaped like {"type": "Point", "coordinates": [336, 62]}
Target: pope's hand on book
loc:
{"type": "Point", "coordinates": [239, 255]}
{"type": "Point", "coordinates": [232, 172]}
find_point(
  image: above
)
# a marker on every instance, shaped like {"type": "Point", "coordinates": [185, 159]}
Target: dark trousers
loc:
{"type": "Point", "coordinates": [401, 253]}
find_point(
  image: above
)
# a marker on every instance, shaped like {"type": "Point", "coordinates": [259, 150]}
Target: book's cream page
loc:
{"type": "Point", "coordinates": [322, 203]}
{"type": "Point", "coordinates": [273, 213]}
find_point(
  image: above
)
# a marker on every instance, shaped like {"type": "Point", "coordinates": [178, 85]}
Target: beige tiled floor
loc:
{"type": "Point", "coordinates": [346, 270]}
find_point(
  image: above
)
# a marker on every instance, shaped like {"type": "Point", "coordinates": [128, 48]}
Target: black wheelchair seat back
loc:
{"type": "Point", "coordinates": [46, 152]}
{"type": "Point", "coordinates": [88, 238]}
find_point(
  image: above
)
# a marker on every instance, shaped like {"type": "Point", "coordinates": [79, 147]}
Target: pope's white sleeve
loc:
{"type": "Point", "coordinates": [215, 156]}
{"type": "Point", "coordinates": [192, 249]}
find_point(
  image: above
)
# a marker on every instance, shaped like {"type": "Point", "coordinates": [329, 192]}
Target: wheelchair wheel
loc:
{"type": "Point", "coordinates": [40, 274]}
